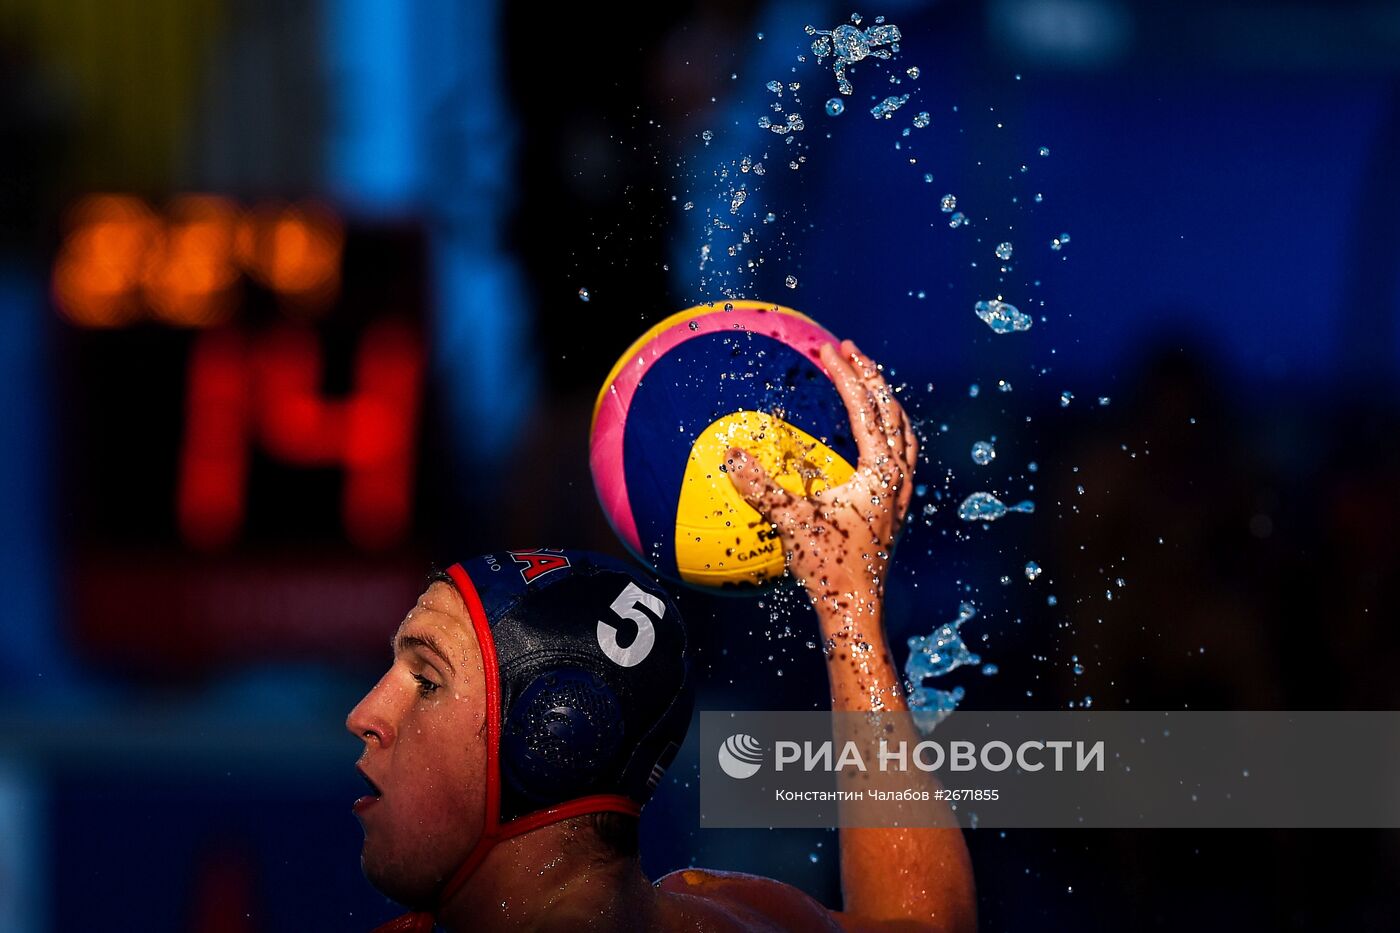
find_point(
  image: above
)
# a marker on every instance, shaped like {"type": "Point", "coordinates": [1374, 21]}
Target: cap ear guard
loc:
{"type": "Point", "coordinates": [560, 738]}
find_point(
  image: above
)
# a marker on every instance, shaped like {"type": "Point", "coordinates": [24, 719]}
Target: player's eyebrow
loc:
{"type": "Point", "coordinates": [426, 641]}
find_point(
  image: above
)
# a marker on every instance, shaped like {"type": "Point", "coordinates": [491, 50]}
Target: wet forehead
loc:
{"type": "Point", "coordinates": [441, 615]}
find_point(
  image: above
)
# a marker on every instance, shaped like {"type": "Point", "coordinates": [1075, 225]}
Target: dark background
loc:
{"type": "Point", "coordinates": [173, 704]}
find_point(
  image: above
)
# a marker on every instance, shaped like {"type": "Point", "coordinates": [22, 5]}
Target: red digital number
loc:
{"type": "Point", "coordinates": [265, 389]}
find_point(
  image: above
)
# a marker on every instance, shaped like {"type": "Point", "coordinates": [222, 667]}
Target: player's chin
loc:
{"type": "Point", "coordinates": [397, 879]}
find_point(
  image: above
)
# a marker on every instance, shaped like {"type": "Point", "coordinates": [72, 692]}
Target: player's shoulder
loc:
{"type": "Point", "coordinates": [731, 900]}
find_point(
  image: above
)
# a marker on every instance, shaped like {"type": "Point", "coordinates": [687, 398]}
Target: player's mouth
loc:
{"type": "Point", "coordinates": [368, 800]}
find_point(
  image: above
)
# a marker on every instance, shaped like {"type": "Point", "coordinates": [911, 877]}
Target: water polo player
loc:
{"type": "Point", "coordinates": [536, 697]}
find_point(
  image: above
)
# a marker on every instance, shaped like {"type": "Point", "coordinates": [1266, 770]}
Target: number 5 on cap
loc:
{"type": "Point", "coordinates": [628, 605]}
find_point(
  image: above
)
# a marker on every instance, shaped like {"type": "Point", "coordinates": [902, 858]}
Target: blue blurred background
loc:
{"type": "Point", "coordinates": [289, 312]}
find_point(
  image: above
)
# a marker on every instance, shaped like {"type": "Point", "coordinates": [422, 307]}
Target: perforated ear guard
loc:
{"type": "Point", "coordinates": [561, 736]}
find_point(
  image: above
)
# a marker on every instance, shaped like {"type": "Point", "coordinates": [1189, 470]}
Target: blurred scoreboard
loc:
{"type": "Point", "coordinates": [241, 392]}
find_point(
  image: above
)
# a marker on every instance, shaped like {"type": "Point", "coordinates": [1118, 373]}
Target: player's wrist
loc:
{"type": "Point", "coordinates": [840, 604]}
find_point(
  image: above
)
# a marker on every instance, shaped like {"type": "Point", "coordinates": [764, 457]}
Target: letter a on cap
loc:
{"type": "Point", "coordinates": [538, 562]}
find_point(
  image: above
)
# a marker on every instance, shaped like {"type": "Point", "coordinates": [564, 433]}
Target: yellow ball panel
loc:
{"type": "Point", "coordinates": [720, 538]}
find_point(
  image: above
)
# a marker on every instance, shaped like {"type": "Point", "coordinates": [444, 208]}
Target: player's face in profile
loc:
{"type": "Point", "coordinates": [424, 729]}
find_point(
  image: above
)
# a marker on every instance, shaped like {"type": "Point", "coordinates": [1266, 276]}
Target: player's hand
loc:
{"type": "Point", "coordinates": [839, 541]}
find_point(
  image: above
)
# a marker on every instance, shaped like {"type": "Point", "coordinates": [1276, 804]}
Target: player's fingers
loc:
{"type": "Point", "coordinates": [755, 485]}
{"type": "Point", "coordinates": [892, 471]}
{"type": "Point", "coordinates": [911, 446]}
{"type": "Point", "coordinates": [891, 413]}
{"type": "Point", "coordinates": [906, 491]}
{"type": "Point", "coordinates": [860, 407]}
{"type": "Point", "coordinates": [911, 463]}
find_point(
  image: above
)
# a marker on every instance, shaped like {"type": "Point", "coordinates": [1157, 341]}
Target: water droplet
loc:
{"type": "Point", "coordinates": [790, 281]}
{"type": "Point", "coordinates": [885, 109]}
{"type": "Point", "coordinates": [1064, 238]}
{"type": "Point", "coordinates": [1078, 668]}
{"type": "Point", "coordinates": [694, 325]}
{"type": "Point", "coordinates": [583, 294]}
{"type": "Point", "coordinates": [1104, 401]}
{"type": "Point", "coordinates": [928, 178]}
{"type": "Point", "coordinates": [921, 120]}
{"type": "Point", "coordinates": [1045, 151]}
{"type": "Point", "coordinates": [707, 136]}
{"type": "Point", "coordinates": [983, 453]}
{"type": "Point", "coordinates": [989, 669]}
{"type": "Point", "coordinates": [973, 389]}
{"type": "Point", "coordinates": [1051, 600]}
{"type": "Point", "coordinates": [1003, 251]}
{"type": "Point", "coordinates": [835, 107]}
{"type": "Point", "coordinates": [1032, 570]}
{"type": "Point", "coordinates": [913, 72]}
{"type": "Point", "coordinates": [948, 204]}
{"type": "Point", "coordinates": [812, 857]}
{"type": "Point", "coordinates": [1001, 316]}
{"type": "Point", "coordinates": [760, 37]}
{"type": "Point", "coordinates": [1039, 198]}
{"type": "Point", "coordinates": [1065, 398]}
{"type": "Point", "coordinates": [775, 86]}
{"type": "Point", "coordinates": [985, 507]}
{"type": "Point", "coordinates": [957, 220]}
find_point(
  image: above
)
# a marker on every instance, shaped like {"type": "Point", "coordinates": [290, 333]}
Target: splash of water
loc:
{"type": "Point", "coordinates": [934, 655]}
{"type": "Point", "coordinates": [849, 44]}
{"type": "Point", "coordinates": [985, 507]}
{"type": "Point", "coordinates": [1001, 316]}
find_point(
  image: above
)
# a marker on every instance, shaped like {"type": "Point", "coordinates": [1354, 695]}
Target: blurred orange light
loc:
{"type": "Point", "coordinates": [294, 250]}
{"type": "Point", "coordinates": [99, 263]}
{"type": "Point", "coordinates": [190, 273]}
{"type": "Point", "coordinates": [121, 261]}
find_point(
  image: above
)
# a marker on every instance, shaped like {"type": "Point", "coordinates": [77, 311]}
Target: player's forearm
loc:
{"type": "Point", "coordinates": [888, 875]}
{"type": "Point", "coordinates": [860, 667]}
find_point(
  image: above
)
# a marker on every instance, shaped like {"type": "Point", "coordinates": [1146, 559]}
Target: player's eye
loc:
{"type": "Point", "coordinates": [425, 686]}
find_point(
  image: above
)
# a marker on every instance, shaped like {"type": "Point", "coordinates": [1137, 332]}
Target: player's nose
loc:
{"type": "Point", "coordinates": [367, 720]}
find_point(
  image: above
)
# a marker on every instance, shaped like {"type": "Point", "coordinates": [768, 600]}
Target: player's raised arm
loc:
{"type": "Point", "coordinates": [840, 544]}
